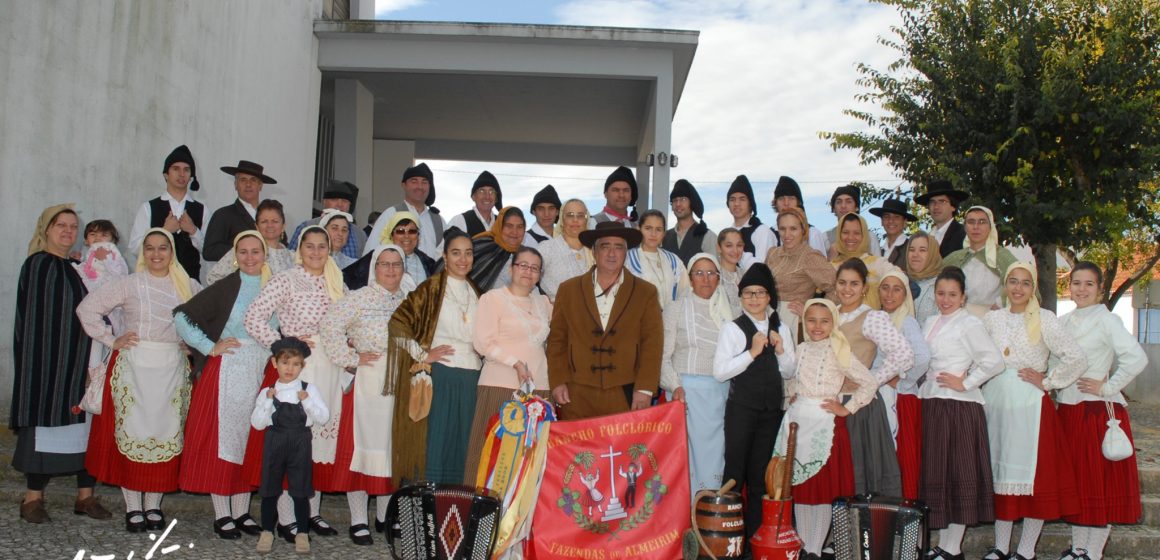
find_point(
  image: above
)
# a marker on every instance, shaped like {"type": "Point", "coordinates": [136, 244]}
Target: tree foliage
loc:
{"type": "Point", "coordinates": [1047, 111]}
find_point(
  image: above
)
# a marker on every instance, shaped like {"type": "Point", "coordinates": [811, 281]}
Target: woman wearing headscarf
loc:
{"type": "Point", "coordinates": [136, 441]}
{"type": "Point", "coordinates": [228, 366]}
{"type": "Point", "coordinates": [493, 249]}
{"type": "Point", "coordinates": [401, 230]}
{"type": "Point", "coordinates": [800, 270]}
{"type": "Point", "coordinates": [431, 331]}
{"type": "Point", "coordinates": [300, 298]}
{"type": "Point", "coordinates": [854, 243]}
{"type": "Point", "coordinates": [565, 256]}
{"type": "Point", "coordinates": [50, 354]}
{"type": "Point", "coordinates": [692, 326]}
{"type": "Point", "coordinates": [363, 458]}
{"type": "Point", "coordinates": [1033, 479]}
{"type": "Point", "coordinates": [654, 264]}
{"type": "Point", "coordinates": [337, 225]}
{"type": "Point", "coordinates": [903, 409]}
{"type": "Point", "coordinates": [1109, 491]}
{"type": "Point", "coordinates": [510, 330]}
{"type": "Point", "coordinates": [923, 263]}
{"type": "Point", "coordinates": [271, 223]}
{"type": "Point", "coordinates": [983, 261]}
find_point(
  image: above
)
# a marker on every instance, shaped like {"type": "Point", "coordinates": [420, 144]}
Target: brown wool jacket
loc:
{"type": "Point", "coordinates": [627, 352]}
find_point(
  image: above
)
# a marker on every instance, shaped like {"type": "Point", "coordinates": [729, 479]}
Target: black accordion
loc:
{"type": "Point", "coordinates": [429, 521]}
{"type": "Point", "coordinates": [871, 527]}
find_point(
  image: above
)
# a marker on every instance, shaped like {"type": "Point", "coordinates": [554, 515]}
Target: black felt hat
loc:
{"type": "Point", "coordinates": [851, 190]}
{"type": "Point", "coordinates": [249, 168]}
{"type": "Point", "coordinates": [632, 236]}
{"type": "Point", "coordinates": [786, 186]}
{"type": "Point", "coordinates": [894, 206]}
{"type": "Point", "coordinates": [486, 179]}
{"type": "Point", "coordinates": [292, 343]}
{"type": "Point", "coordinates": [758, 274]}
{"type": "Point", "coordinates": [945, 188]}
{"type": "Point", "coordinates": [341, 189]}
{"type": "Point", "coordinates": [422, 170]}
{"type": "Point", "coordinates": [687, 190]}
{"type": "Point", "coordinates": [181, 154]}
{"type": "Point", "coordinates": [546, 195]}
{"type": "Point", "coordinates": [622, 173]}
{"type": "Point", "coordinates": [742, 185]}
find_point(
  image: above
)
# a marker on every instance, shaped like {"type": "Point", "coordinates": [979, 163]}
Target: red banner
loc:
{"type": "Point", "coordinates": [615, 487]}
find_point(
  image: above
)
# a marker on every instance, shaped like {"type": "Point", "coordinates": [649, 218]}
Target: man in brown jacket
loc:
{"type": "Point", "coordinates": [604, 349]}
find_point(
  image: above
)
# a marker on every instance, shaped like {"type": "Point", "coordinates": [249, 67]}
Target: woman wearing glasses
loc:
{"type": "Point", "coordinates": [401, 230]}
{"type": "Point", "coordinates": [564, 255]}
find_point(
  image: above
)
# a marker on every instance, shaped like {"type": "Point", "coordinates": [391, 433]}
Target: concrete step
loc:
{"type": "Point", "coordinates": [1128, 542]}
{"type": "Point", "coordinates": [1149, 480]}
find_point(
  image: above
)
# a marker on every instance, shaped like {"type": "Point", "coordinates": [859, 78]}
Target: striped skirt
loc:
{"type": "Point", "coordinates": [202, 471]}
{"type": "Point", "coordinates": [1109, 491]}
{"type": "Point", "coordinates": [1055, 486]}
{"type": "Point", "coordinates": [956, 463]}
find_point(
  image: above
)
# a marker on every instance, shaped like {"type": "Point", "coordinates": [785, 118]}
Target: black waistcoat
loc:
{"type": "Point", "coordinates": [187, 254]}
{"type": "Point", "coordinates": [759, 386]}
{"type": "Point", "coordinates": [474, 225]}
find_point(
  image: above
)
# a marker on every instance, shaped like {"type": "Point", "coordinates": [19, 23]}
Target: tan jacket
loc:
{"type": "Point", "coordinates": [628, 352]}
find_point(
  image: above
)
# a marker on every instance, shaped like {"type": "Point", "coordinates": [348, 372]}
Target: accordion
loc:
{"type": "Point", "coordinates": [429, 521]}
{"type": "Point", "coordinates": [871, 527]}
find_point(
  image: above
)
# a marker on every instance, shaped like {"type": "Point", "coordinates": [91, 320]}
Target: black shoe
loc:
{"type": "Point", "coordinates": [319, 526]}
{"type": "Point", "coordinates": [135, 526]}
{"type": "Point", "coordinates": [827, 553]}
{"type": "Point", "coordinates": [1017, 556]}
{"type": "Point", "coordinates": [361, 540]}
{"type": "Point", "coordinates": [227, 534]}
{"type": "Point", "coordinates": [251, 528]}
{"type": "Point", "coordinates": [154, 524]}
{"type": "Point", "coordinates": [995, 554]}
{"type": "Point", "coordinates": [288, 531]}
{"type": "Point", "coordinates": [380, 526]}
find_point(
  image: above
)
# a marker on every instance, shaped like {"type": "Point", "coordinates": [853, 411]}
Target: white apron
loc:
{"type": "Point", "coordinates": [815, 437]}
{"type": "Point", "coordinates": [374, 414]}
{"type": "Point", "coordinates": [328, 379]}
{"type": "Point", "coordinates": [150, 389]}
{"type": "Point", "coordinates": [239, 378]}
{"type": "Point", "coordinates": [1013, 414]}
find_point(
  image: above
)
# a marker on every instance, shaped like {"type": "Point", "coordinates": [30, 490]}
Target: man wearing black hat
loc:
{"type": "Point", "coordinates": [847, 199]}
{"type": "Point", "coordinates": [787, 194]}
{"type": "Point", "coordinates": [546, 209]}
{"type": "Point", "coordinates": [743, 208]}
{"type": "Point", "coordinates": [688, 236]}
{"type": "Point", "coordinates": [176, 211]}
{"type": "Point", "coordinates": [235, 218]}
{"type": "Point", "coordinates": [486, 194]}
{"type": "Point", "coordinates": [894, 217]}
{"type": "Point", "coordinates": [418, 196]}
{"type": "Point", "coordinates": [341, 196]}
{"type": "Point", "coordinates": [619, 193]}
{"type": "Point", "coordinates": [942, 201]}
{"type": "Point", "coordinates": [604, 346]}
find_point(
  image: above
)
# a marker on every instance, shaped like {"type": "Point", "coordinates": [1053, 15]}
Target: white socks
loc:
{"type": "Point", "coordinates": [1097, 538]}
{"type": "Point", "coordinates": [240, 504]}
{"type": "Point", "coordinates": [221, 508]}
{"type": "Point", "coordinates": [1029, 536]}
{"type": "Point", "coordinates": [813, 524]}
{"type": "Point", "coordinates": [357, 501]}
{"type": "Point", "coordinates": [285, 509]}
{"type": "Point", "coordinates": [951, 538]}
{"type": "Point", "coordinates": [1002, 535]}
{"type": "Point", "coordinates": [315, 504]}
{"type": "Point", "coordinates": [381, 503]}
{"type": "Point", "coordinates": [132, 500]}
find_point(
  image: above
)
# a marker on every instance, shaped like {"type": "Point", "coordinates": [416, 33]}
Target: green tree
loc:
{"type": "Point", "coordinates": [1047, 111]}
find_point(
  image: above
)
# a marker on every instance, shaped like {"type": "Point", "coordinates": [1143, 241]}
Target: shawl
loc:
{"type": "Point", "coordinates": [719, 309]}
{"type": "Point", "coordinates": [934, 260]}
{"type": "Point", "coordinates": [907, 308]}
{"type": "Point", "coordinates": [39, 241]}
{"type": "Point", "coordinates": [209, 311]}
{"type": "Point", "coordinates": [177, 274]}
{"type": "Point", "coordinates": [492, 254]}
{"type": "Point", "coordinates": [331, 272]}
{"type": "Point", "coordinates": [50, 350]}
{"type": "Point", "coordinates": [1030, 315]}
{"type": "Point", "coordinates": [266, 271]}
{"type": "Point", "coordinates": [837, 339]}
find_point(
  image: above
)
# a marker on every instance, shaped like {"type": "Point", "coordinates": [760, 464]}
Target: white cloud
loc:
{"type": "Point", "coordinates": [384, 7]}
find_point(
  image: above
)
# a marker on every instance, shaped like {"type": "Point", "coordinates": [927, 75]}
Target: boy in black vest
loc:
{"type": "Point", "coordinates": [175, 211]}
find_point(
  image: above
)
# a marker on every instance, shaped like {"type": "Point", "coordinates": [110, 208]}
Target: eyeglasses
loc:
{"type": "Point", "coordinates": [576, 215]}
{"type": "Point", "coordinates": [406, 231]}
{"type": "Point", "coordinates": [389, 265]}
{"type": "Point", "coordinates": [754, 294]}
{"type": "Point", "coordinates": [527, 267]}
{"type": "Point", "coordinates": [981, 222]}
{"type": "Point", "coordinates": [485, 191]}
{"type": "Point", "coordinates": [704, 274]}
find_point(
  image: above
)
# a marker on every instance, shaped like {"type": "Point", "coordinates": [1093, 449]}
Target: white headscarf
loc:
{"type": "Point", "coordinates": [991, 246]}
{"type": "Point", "coordinates": [719, 309]}
{"type": "Point", "coordinates": [407, 283]}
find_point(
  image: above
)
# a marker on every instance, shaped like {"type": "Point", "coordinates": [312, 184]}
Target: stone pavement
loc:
{"type": "Point", "coordinates": [67, 534]}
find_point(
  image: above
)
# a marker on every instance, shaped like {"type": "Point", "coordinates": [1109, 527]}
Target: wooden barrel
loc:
{"type": "Point", "coordinates": [721, 523]}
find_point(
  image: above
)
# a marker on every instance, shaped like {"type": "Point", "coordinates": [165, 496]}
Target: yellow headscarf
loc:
{"type": "Point", "coordinates": [1030, 315]}
{"type": "Point", "coordinates": [991, 246]}
{"type": "Point", "coordinates": [177, 274]}
{"type": "Point", "coordinates": [330, 272]}
{"type": "Point", "coordinates": [907, 308]}
{"type": "Point", "coordinates": [496, 231]}
{"type": "Point", "coordinates": [861, 251]}
{"type": "Point", "coordinates": [838, 340]}
{"type": "Point", "coordinates": [934, 262]}
{"type": "Point", "coordinates": [266, 272]}
{"type": "Point", "coordinates": [385, 236]}
{"type": "Point", "coordinates": [39, 240]}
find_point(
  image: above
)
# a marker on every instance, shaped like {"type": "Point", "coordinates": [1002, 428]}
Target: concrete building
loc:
{"type": "Point", "coordinates": [95, 93]}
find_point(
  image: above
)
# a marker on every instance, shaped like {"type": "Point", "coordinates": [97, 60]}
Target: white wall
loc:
{"type": "Point", "coordinates": [95, 93]}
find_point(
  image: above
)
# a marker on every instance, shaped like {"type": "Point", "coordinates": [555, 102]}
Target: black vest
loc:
{"type": "Point", "coordinates": [747, 235]}
{"type": "Point", "coordinates": [187, 255]}
{"type": "Point", "coordinates": [759, 386]}
{"type": "Point", "coordinates": [690, 245]}
{"type": "Point", "coordinates": [539, 238]}
{"type": "Point", "coordinates": [474, 225]}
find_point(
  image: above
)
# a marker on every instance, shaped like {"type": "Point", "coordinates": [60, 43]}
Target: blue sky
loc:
{"type": "Point", "coordinates": [767, 77]}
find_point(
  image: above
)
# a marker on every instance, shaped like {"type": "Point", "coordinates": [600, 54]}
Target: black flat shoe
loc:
{"type": "Point", "coordinates": [250, 528]}
{"type": "Point", "coordinates": [361, 540]}
{"type": "Point", "coordinates": [380, 526]}
{"type": "Point", "coordinates": [995, 554]}
{"type": "Point", "coordinates": [228, 534]}
{"type": "Point", "coordinates": [320, 527]}
{"type": "Point", "coordinates": [288, 531]}
{"type": "Point", "coordinates": [154, 524]}
{"type": "Point", "coordinates": [135, 526]}
{"type": "Point", "coordinates": [1017, 556]}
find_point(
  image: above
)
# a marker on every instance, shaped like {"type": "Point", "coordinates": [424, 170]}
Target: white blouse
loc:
{"type": "Point", "coordinates": [314, 405]}
{"type": "Point", "coordinates": [561, 263]}
{"type": "Point", "coordinates": [147, 304]}
{"type": "Point", "coordinates": [924, 304]}
{"type": "Point", "coordinates": [732, 355]}
{"type": "Point", "coordinates": [961, 344]}
{"type": "Point", "coordinates": [690, 341]}
{"type": "Point", "coordinates": [1112, 353]}
{"type": "Point", "coordinates": [1009, 331]}
{"type": "Point", "coordinates": [454, 326]}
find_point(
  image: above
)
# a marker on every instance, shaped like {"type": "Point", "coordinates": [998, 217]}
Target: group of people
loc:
{"type": "Point", "coordinates": [912, 364]}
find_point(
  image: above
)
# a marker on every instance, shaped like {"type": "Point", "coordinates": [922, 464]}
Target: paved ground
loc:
{"type": "Point", "coordinates": [67, 534]}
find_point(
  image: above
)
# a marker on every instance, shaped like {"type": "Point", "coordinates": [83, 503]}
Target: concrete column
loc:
{"type": "Point", "coordinates": [662, 137]}
{"type": "Point", "coordinates": [392, 157]}
{"type": "Point", "coordinates": [354, 116]}
{"type": "Point", "coordinates": [643, 182]}
{"type": "Point", "coordinates": [362, 9]}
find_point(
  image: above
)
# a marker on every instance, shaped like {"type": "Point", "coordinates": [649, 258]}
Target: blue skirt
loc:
{"type": "Point", "coordinates": [705, 417]}
{"type": "Point", "coordinates": [449, 424]}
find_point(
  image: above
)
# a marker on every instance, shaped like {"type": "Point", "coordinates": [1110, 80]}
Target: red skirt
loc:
{"type": "Point", "coordinates": [836, 478]}
{"type": "Point", "coordinates": [252, 464]}
{"type": "Point", "coordinates": [1055, 491]}
{"type": "Point", "coordinates": [202, 471]}
{"type": "Point", "coordinates": [909, 443]}
{"type": "Point", "coordinates": [1109, 491]}
{"type": "Point", "coordinates": [106, 463]}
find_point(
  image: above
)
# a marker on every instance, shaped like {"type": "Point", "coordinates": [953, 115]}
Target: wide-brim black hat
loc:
{"type": "Point", "coordinates": [945, 188]}
{"type": "Point", "coordinates": [894, 206]}
{"type": "Point", "coordinates": [631, 236]}
{"type": "Point", "coordinates": [249, 168]}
